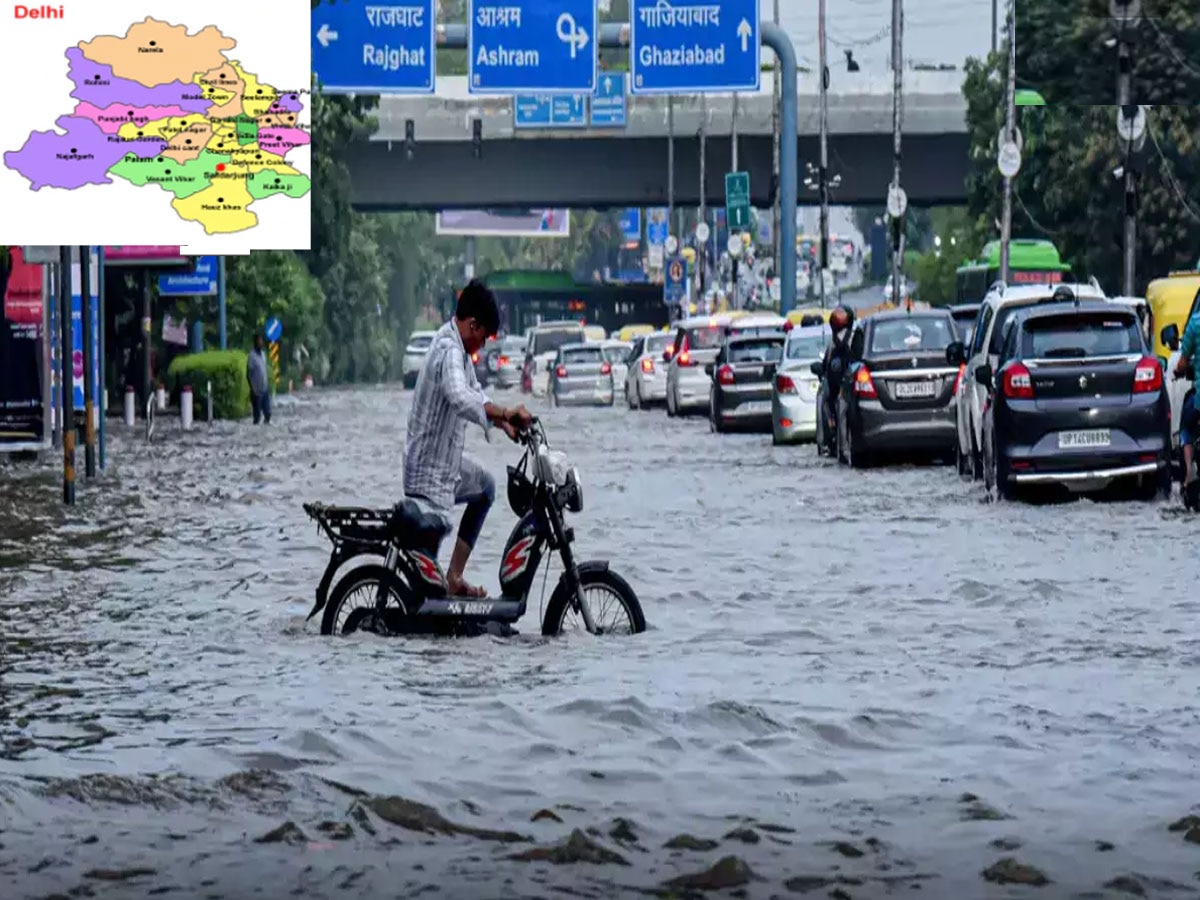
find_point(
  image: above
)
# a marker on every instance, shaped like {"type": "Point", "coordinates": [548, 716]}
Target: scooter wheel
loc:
{"type": "Point", "coordinates": [357, 590]}
{"type": "Point", "coordinates": [597, 583]}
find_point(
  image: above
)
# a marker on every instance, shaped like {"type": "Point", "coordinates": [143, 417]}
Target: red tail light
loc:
{"type": "Point", "coordinates": [784, 384]}
{"type": "Point", "coordinates": [863, 385]}
{"type": "Point", "coordinates": [648, 365]}
{"type": "Point", "coordinates": [606, 369]}
{"type": "Point", "coordinates": [561, 372]}
{"type": "Point", "coordinates": [725, 375]}
{"type": "Point", "coordinates": [1148, 376]}
{"type": "Point", "coordinates": [504, 360]}
{"type": "Point", "coordinates": [670, 351]}
{"type": "Point", "coordinates": [958, 378]}
{"type": "Point", "coordinates": [474, 357]}
{"type": "Point", "coordinates": [1018, 383]}
{"type": "Point", "coordinates": [685, 358]}
{"type": "Point", "coordinates": [788, 326]}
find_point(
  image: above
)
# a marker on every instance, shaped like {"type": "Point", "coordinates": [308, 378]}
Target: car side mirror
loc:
{"type": "Point", "coordinates": [708, 369]}
{"type": "Point", "coordinates": [983, 374]}
{"type": "Point", "coordinates": [955, 353]}
{"type": "Point", "coordinates": [817, 368]}
{"type": "Point", "coordinates": [1170, 337]}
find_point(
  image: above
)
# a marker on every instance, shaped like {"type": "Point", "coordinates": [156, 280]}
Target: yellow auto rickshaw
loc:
{"type": "Point", "coordinates": [1171, 299]}
{"type": "Point", "coordinates": [632, 332]}
{"type": "Point", "coordinates": [810, 315]}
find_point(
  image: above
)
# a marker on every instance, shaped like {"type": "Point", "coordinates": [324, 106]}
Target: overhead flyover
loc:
{"type": "Point", "coordinates": [610, 167]}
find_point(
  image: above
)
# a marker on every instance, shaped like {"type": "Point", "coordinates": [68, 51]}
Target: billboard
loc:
{"type": "Point", "coordinates": [23, 418]}
{"type": "Point", "coordinates": [144, 256]}
{"type": "Point", "coordinates": [554, 223]}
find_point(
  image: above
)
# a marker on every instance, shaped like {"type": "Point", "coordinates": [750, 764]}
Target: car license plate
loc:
{"type": "Point", "coordinates": [756, 406]}
{"type": "Point", "coordinates": [908, 390]}
{"type": "Point", "coordinates": [1100, 437]}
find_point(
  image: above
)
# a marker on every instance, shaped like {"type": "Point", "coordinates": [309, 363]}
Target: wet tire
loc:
{"type": "Point", "coordinates": [364, 579]}
{"type": "Point", "coordinates": [607, 579]}
{"type": "Point", "coordinates": [671, 411]}
{"type": "Point", "coordinates": [410, 380]}
{"type": "Point", "coordinates": [961, 461]}
{"type": "Point", "coordinates": [633, 398]}
{"type": "Point", "coordinates": [976, 461]}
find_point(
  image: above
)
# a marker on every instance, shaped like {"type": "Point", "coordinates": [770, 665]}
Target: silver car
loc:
{"type": "Point", "coordinates": [505, 362]}
{"type": "Point", "coordinates": [646, 377]}
{"type": "Point", "coordinates": [794, 393]}
{"type": "Point", "coordinates": [414, 356]}
{"type": "Point", "coordinates": [697, 340]}
{"type": "Point", "coordinates": [581, 375]}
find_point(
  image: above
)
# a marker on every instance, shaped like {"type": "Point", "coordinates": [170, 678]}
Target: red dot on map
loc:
{"type": "Point", "coordinates": [220, 167]}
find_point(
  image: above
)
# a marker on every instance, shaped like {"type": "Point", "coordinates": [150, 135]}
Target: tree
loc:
{"type": "Point", "coordinates": [1063, 52]}
{"type": "Point", "coordinates": [1066, 191]}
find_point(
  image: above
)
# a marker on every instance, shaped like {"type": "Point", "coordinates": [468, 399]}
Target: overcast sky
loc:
{"type": "Point", "coordinates": [935, 31]}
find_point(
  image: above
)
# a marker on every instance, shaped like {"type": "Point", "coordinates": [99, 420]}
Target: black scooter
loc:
{"type": "Point", "coordinates": [408, 594]}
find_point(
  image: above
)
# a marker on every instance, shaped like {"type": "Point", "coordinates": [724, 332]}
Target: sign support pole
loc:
{"type": "Point", "coordinates": [89, 355]}
{"type": "Point", "coordinates": [67, 390]}
{"type": "Point", "coordinates": [221, 301]}
{"type": "Point", "coordinates": [147, 320]}
{"type": "Point", "coordinates": [103, 375]}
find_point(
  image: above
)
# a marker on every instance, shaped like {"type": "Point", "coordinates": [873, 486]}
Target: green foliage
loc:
{"type": "Point", "coordinates": [1066, 191]}
{"type": "Point", "coordinates": [274, 283]}
{"type": "Point", "coordinates": [1062, 52]}
{"type": "Point", "coordinates": [933, 270]}
{"type": "Point", "coordinates": [226, 369]}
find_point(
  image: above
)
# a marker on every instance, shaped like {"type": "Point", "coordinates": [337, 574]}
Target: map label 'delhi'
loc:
{"type": "Point", "coordinates": [37, 12]}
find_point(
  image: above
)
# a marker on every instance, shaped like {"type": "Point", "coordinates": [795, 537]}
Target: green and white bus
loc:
{"type": "Point", "coordinates": [1030, 261]}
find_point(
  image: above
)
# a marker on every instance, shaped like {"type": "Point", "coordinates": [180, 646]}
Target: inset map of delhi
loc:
{"type": "Point", "coordinates": [179, 115]}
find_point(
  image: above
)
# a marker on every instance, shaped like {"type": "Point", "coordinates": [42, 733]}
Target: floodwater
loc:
{"type": "Point", "coordinates": [854, 684]}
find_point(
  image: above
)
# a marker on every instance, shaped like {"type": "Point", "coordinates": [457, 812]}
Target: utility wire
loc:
{"type": "Point", "coordinates": [1170, 47]}
{"type": "Point", "coordinates": [1168, 171]}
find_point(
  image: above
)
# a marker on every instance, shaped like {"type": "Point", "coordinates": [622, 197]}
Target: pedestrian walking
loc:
{"type": "Point", "coordinates": [256, 374]}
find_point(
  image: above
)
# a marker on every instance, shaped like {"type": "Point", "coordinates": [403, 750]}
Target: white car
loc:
{"type": "Point", "coordinates": [617, 354]}
{"type": "Point", "coordinates": [995, 311]}
{"type": "Point", "coordinates": [414, 356]}
{"type": "Point", "coordinates": [697, 341]}
{"type": "Point", "coordinates": [794, 392]}
{"type": "Point", "coordinates": [646, 377]}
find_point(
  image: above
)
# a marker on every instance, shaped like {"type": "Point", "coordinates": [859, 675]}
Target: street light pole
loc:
{"type": "Point", "coordinates": [777, 87]}
{"type": "Point", "coordinates": [1126, 17]}
{"type": "Point", "coordinates": [897, 115]}
{"type": "Point", "coordinates": [702, 248]}
{"type": "Point", "coordinates": [1010, 112]}
{"type": "Point", "coordinates": [823, 174]}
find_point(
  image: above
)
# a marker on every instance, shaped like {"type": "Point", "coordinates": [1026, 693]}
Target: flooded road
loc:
{"type": "Point", "coordinates": [854, 684]}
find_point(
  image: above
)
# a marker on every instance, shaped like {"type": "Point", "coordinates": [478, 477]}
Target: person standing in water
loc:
{"type": "Point", "coordinates": [260, 388]}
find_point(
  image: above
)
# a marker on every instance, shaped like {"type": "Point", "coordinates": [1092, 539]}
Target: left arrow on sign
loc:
{"type": "Point", "coordinates": [325, 34]}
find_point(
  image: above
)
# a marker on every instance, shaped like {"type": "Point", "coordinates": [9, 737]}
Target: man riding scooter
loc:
{"type": "Point", "coordinates": [1188, 416]}
{"type": "Point", "coordinates": [837, 359]}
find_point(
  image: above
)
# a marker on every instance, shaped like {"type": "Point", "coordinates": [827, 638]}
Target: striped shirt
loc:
{"type": "Point", "coordinates": [447, 397]}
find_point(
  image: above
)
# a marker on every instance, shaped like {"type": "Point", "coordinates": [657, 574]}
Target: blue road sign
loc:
{"type": "Point", "coordinates": [273, 329]}
{"type": "Point", "coordinates": [362, 48]}
{"type": "Point", "coordinates": [657, 226]}
{"type": "Point", "coordinates": [550, 111]}
{"type": "Point", "coordinates": [77, 334]}
{"type": "Point", "coordinates": [712, 45]}
{"type": "Point", "coordinates": [532, 46]}
{"type": "Point", "coordinates": [631, 225]}
{"type": "Point", "coordinates": [201, 283]}
{"type": "Point", "coordinates": [675, 280]}
{"type": "Point", "coordinates": [608, 105]}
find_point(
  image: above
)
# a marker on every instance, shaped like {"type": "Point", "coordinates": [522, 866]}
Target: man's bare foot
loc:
{"type": "Point", "coordinates": [459, 588]}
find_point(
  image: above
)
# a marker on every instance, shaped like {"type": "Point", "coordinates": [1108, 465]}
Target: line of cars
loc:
{"type": "Point", "coordinates": [1036, 385]}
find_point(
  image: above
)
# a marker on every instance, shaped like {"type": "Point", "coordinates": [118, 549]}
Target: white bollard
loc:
{"type": "Point", "coordinates": [308, 382]}
{"type": "Point", "coordinates": [160, 398]}
{"type": "Point", "coordinates": [130, 405]}
{"type": "Point", "coordinates": [185, 408]}
{"type": "Point", "coordinates": [208, 400]}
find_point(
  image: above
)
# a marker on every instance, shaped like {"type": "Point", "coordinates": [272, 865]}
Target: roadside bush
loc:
{"type": "Point", "coordinates": [226, 369]}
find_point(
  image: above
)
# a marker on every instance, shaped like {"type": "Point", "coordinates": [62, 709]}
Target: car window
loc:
{"type": "Point", "coordinates": [1002, 316]}
{"type": "Point", "coordinates": [766, 350]}
{"type": "Point", "coordinates": [582, 355]}
{"type": "Point", "coordinates": [1080, 336]}
{"type": "Point", "coordinates": [616, 353]}
{"type": "Point", "coordinates": [512, 346]}
{"type": "Point", "coordinates": [806, 347]}
{"type": "Point", "coordinates": [657, 343]}
{"type": "Point", "coordinates": [705, 338]}
{"type": "Point", "coordinates": [421, 343]}
{"type": "Point", "coordinates": [912, 334]}
{"type": "Point", "coordinates": [549, 341]}
{"type": "Point", "coordinates": [985, 319]}
{"type": "Point", "coordinates": [751, 330]}
{"type": "Point", "coordinates": [639, 347]}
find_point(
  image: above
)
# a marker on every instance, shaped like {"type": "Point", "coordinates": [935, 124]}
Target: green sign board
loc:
{"type": "Point", "coordinates": [737, 200]}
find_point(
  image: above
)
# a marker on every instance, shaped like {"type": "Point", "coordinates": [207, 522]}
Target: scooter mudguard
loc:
{"type": "Point", "coordinates": [336, 559]}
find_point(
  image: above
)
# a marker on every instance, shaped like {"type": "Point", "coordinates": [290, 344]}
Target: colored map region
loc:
{"type": "Point", "coordinates": [159, 108]}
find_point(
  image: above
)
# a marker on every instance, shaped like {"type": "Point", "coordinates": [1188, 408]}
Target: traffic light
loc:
{"type": "Point", "coordinates": [410, 137]}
